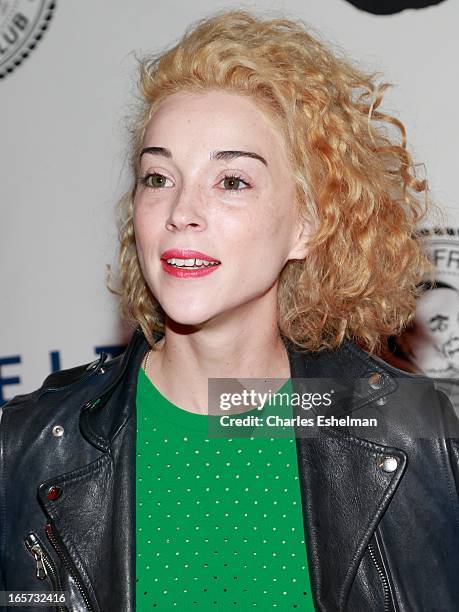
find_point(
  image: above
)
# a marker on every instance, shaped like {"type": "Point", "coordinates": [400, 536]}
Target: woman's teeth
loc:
{"type": "Point", "coordinates": [191, 263]}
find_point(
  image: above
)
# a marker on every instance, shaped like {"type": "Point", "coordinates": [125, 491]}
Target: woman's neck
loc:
{"type": "Point", "coordinates": [181, 365]}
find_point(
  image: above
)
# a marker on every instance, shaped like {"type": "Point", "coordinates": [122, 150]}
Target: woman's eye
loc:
{"type": "Point", "coordinates": [153, 180]}
{"type": "Point", "coordinates": [233, 183]}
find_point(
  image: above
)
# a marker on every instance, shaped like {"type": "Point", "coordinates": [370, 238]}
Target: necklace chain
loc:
{"type": "Point", "coordinates": [145, 363]}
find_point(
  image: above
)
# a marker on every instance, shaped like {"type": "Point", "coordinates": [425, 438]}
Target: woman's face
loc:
{"type": "Point", "coordinates": [235, 208]}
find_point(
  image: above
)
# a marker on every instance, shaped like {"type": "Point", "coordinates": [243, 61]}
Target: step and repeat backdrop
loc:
{"type": "Point", "coordinates": [67, 86]}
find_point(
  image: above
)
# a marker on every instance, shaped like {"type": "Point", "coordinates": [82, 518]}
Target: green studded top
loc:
{"type": "Point", "coordinates": [219, 521]}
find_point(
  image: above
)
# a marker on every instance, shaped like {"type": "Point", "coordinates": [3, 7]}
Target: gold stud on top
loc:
{"type": "Point", "coordinates": [375, 380]}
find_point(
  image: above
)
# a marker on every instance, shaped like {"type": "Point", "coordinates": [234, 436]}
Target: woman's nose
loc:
{"type": "Point", "coordinates": [188, 209]}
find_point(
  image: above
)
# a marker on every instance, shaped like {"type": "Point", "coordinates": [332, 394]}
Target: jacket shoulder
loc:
{"type": "Point", "coordinates": [351, 348]}
{"type": "Point", "coordinates": [349, 360]}
{"type": "Point", "coordinates": [65, 378]}
{"type": "Point", "coordinates": [68, 378]}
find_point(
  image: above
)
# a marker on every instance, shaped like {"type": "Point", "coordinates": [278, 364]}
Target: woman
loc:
{"type": "Point", "coordinates": [267, 235]}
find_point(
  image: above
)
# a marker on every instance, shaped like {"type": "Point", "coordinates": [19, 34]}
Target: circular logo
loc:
{"type": "Point", "coordinates": [430, 344]}
{"type": "Point", "coordinates": [22, 25]}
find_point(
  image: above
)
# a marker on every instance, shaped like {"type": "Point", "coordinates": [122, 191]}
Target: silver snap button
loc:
{"type": "Point", "coordinates": [102, 371]}
{"type": "Point", "coordinates": [58, 430]}
{"type": "Point", "coordinates": [382, 400]}
{"type": "Point", "coordinates": [389, 464]}
{"type": "Point", "coordinates": [375, 380]}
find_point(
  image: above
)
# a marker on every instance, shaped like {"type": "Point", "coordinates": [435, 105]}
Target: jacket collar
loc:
{"type": "Point", "coordinates": [358, 376]}
{"type": "Point", "coordinates": [103, 416]}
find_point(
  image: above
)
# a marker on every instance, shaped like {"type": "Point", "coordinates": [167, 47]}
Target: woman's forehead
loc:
{"type": "Point", "coordinates": [214, 120]}
{"type": "Point", "coordinates": [216, 109]}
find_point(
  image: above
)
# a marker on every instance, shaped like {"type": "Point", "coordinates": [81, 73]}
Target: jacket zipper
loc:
{"type": "Point", "coordinates": [58, 547]}
{"type": "Point", "coordinates": [45, 567]}
{"type": "Point", "coordinates": [374, 554]}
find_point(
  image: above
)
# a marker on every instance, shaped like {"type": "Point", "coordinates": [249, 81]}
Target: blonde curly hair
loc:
{"type": "Point", "coordinates": [354, 182]}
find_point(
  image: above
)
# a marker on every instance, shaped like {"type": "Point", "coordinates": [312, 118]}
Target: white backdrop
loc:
{"type": "Point", "coordinates": [63, 147]}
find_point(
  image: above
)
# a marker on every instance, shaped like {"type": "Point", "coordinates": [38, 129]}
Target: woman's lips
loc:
{"type": "Point", "coordinates": [186, 254]}
{"type": "Point", "coordinates": [187, 273]}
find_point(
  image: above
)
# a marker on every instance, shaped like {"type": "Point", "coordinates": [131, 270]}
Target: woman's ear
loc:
{"type": "Point", "coordinates": [300, 247]}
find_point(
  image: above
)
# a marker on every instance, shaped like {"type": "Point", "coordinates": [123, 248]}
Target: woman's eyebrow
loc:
{"type": "Point", "coordinates": [156, 151]}
{"type": "Point", "coordinates": [214, 155]}
{"type": "Point", "coordinates": [234, 154]}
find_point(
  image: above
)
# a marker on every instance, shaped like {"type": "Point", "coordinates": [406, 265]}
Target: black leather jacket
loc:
{"type": "Point", "coordinates": [381, 517]}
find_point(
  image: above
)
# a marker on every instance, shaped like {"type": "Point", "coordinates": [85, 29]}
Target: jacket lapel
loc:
{"type": "Point", "coordinates": [344, 491]}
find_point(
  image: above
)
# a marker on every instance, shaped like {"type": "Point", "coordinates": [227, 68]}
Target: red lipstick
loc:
{"type": "Point", "coordinates": [186, 254]}
{"type": "Point", "coordinates": [188, 272]}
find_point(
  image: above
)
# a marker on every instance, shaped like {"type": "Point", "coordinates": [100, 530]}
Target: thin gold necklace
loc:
{"type": "Point", "coordinates": [145, 361]}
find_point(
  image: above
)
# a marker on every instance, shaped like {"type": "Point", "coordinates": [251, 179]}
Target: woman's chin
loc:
{"type": "Point", "coordinates": [186, 318]}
